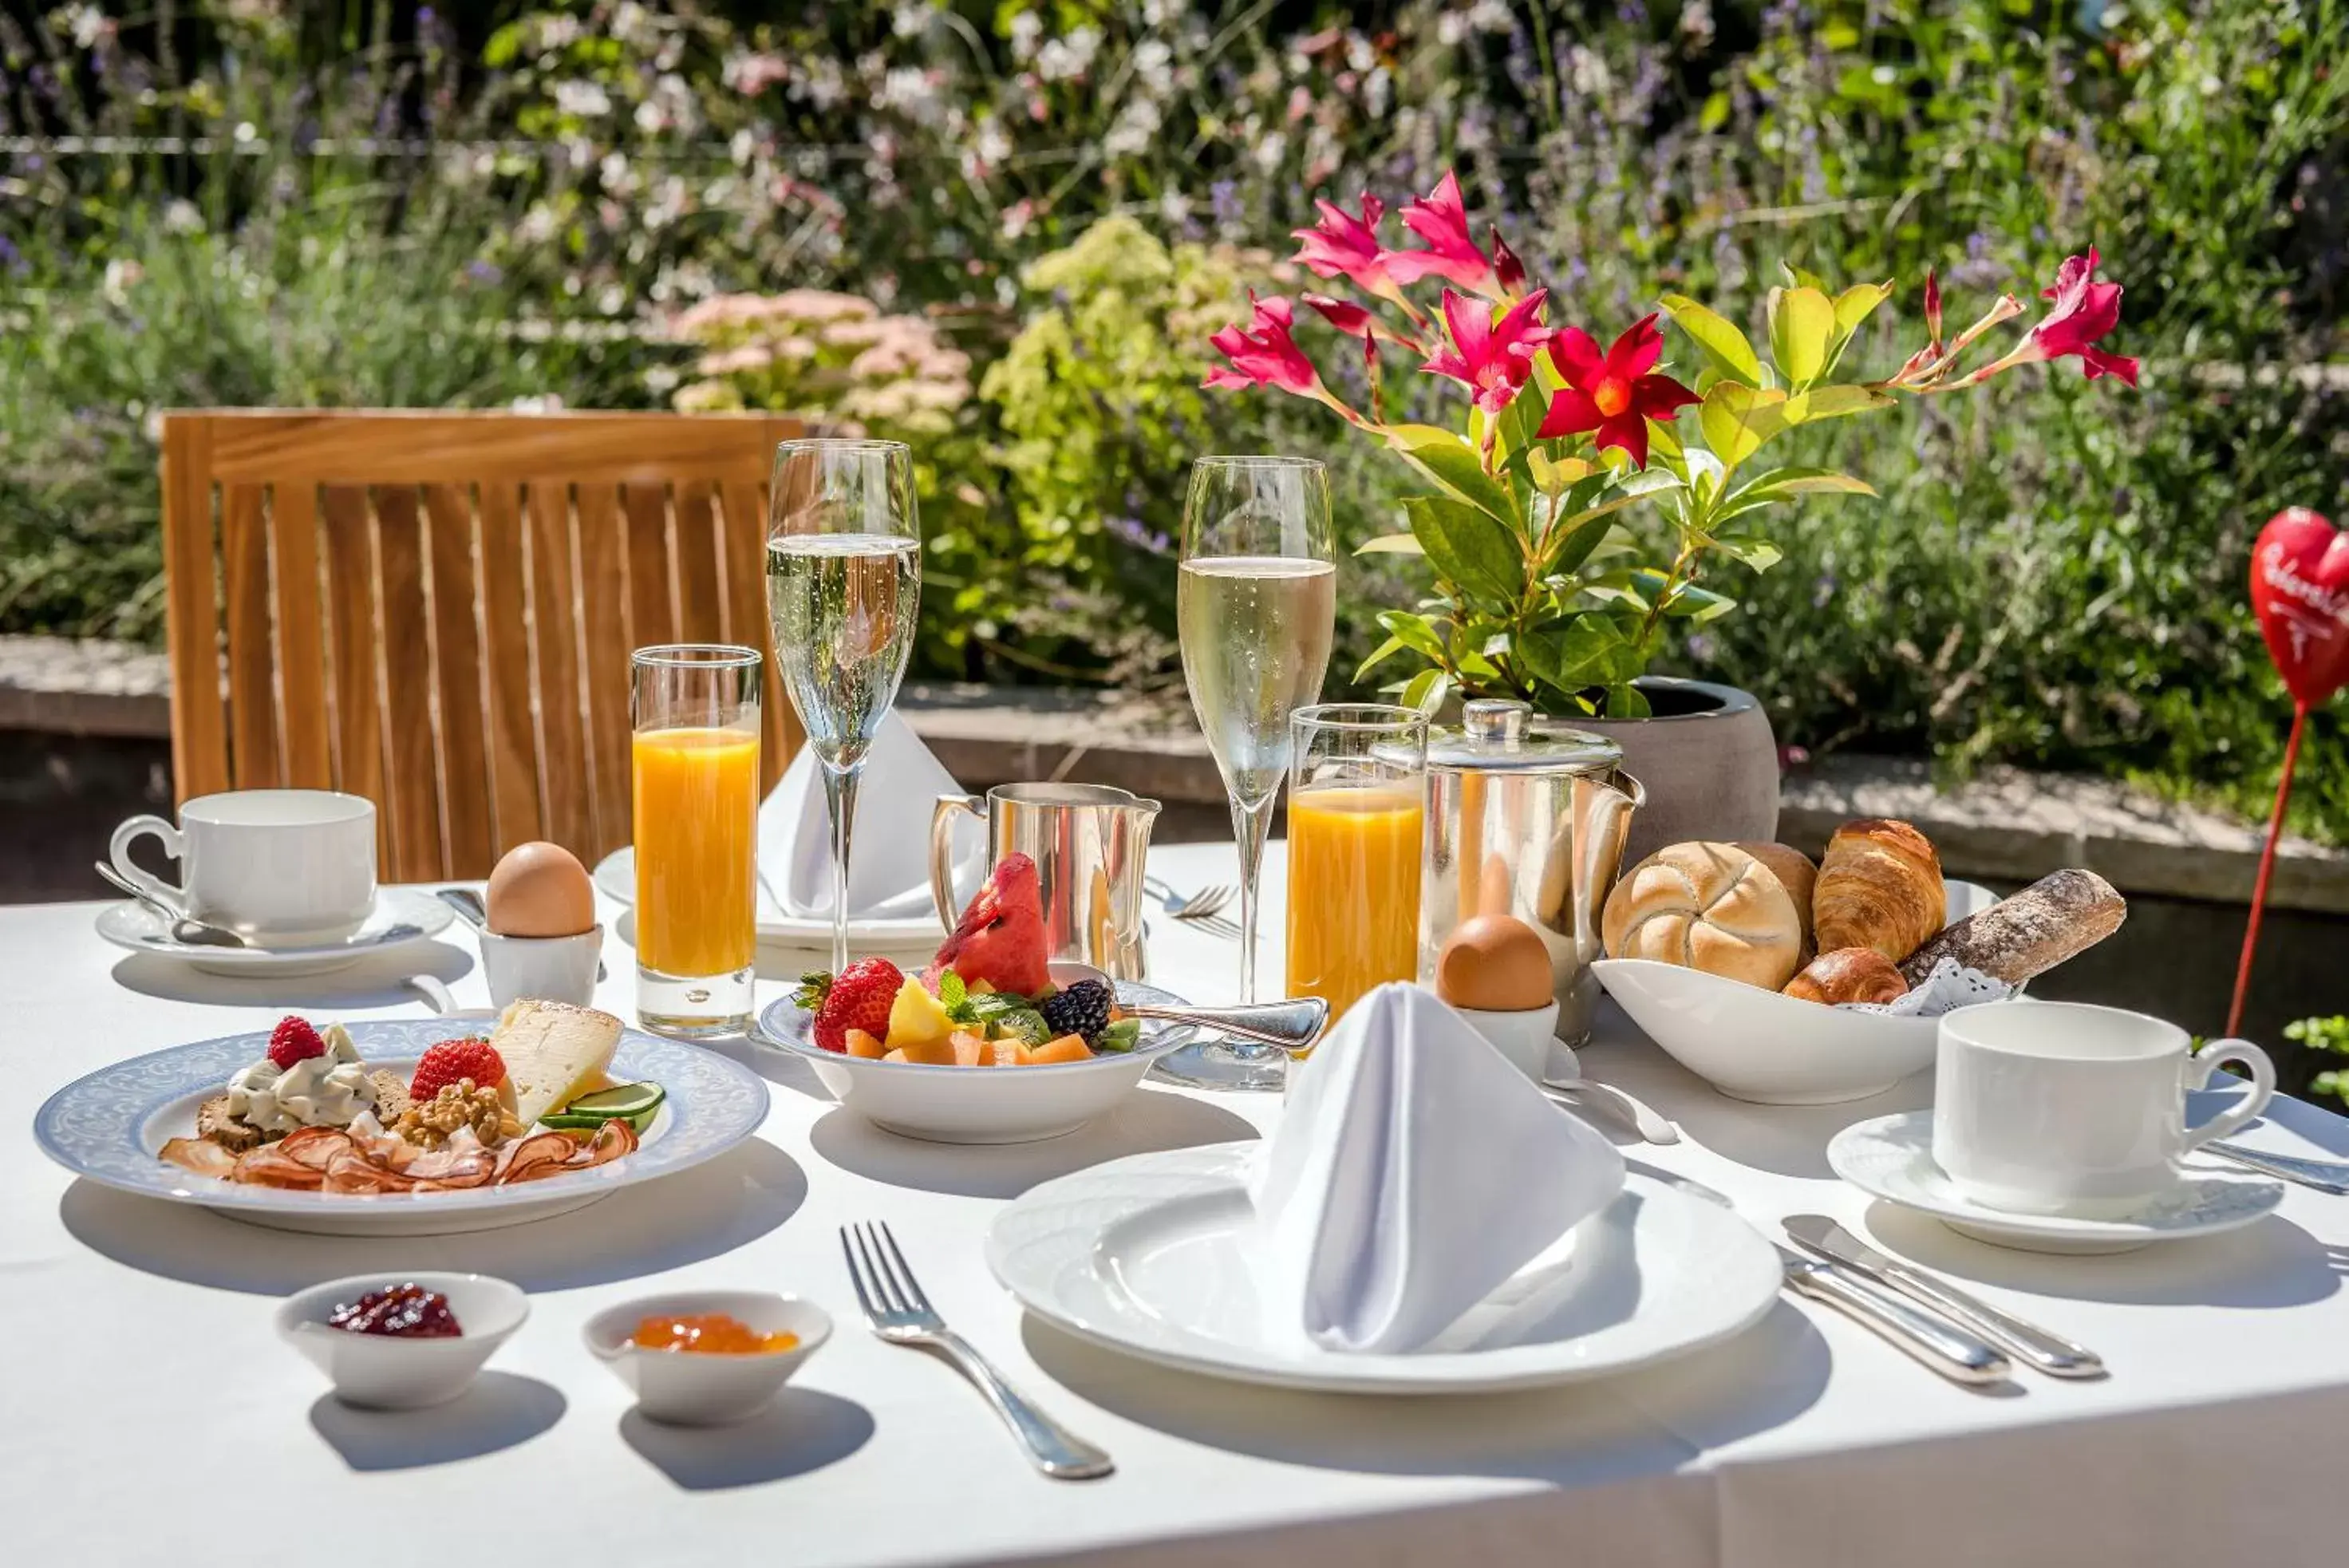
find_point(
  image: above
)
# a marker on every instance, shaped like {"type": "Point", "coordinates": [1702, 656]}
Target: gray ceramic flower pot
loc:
{"type": "Point", "coordinates": [1707, 759]}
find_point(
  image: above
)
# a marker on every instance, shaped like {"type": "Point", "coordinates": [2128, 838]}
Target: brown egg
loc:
{"type": "Point", "coordinates": [1493, 963]}
{"type": "Point", "coordinates": [540, 890]}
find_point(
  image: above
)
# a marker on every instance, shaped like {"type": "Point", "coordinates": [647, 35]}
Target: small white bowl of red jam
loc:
{"type": "Point", "coordinates": [702, 1358]}
{"type": "Point", "coordinates": [401, 1341]}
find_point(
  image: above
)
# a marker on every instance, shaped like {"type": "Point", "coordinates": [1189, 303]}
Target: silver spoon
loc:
{"type": "Point", "coordinates": [468, 905]}
{"type": "Point", "coordinates": [184, 931]}
{"type": "Point", "coordinates": [1293, 1025]}
{"type": "Point", "coordinates": [1644, 1118]}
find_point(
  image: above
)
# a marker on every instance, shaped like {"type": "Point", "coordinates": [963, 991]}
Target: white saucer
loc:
{"type": "Point", "coordinates": [1141, 1256]}
{"type": "Point", "coordinates": [1891, 1158]}
{"type": "Point", "coordinates": [401, 916]}
{"type": "Point", "coordinates": [615, 879]}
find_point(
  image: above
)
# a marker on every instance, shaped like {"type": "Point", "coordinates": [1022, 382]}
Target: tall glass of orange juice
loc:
{"type": "Point", "coordinates": [1358, 778]}
{"type": "Point", "coordinates": [696, 768]}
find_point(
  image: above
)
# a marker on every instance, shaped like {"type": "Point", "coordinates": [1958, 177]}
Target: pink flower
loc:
{"type": "Point", "coordinates": [1615, 393]}
{"type": "Point", "coordinates": [1441, 218]}
{"type": "Point", "coordinates": [1491, 358]}
{"type": "Point", "coordinates": [1343, 246]}
{"type": "Point", "coordinates": [1355, 321]}
{"type": "Point", "coordinates": [1932, 308]}
{"type": "Point", "coordinates": [2084, 310]}
{"type": "Point", "coordinates": [1266, 356]}
{"type": "Point", "coordinates": [1507, 270]}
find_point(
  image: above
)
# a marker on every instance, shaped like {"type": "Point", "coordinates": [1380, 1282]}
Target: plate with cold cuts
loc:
{"type": "Point", "coordinates": [112, 1125]}
{"type": "Point", "coordinates": [1144, 1255]}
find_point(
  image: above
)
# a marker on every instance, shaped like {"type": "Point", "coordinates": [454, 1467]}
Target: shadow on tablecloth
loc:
{"type": "Point", "coordinates": [696, 1214]}
{"type": "Point", "coordinates": [1145, 1122]}
{"type": "Point", "coordinates": [372, 981]}
{"type": "Point", "coordinates": [1611, 1429]}
{"type": "Point", "coordinates": [501, 1410]}
{"type": "Point", "coordinates": [802, 1430]}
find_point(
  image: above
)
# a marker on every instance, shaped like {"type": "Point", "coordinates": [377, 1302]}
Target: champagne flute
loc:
{"type": "Point", "coordinates": [844, 585]}
{"type": "Point", "coordinates": [1256, 606]}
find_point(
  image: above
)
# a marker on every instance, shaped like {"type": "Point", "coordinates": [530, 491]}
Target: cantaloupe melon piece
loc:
{"type": "Point", "coordinates": [970, 1049]}
{"type": "Point", "coordinates": [860, 1043]}
{"type": "Point", "coordinates": [893, 1055]}
{"type": "Point", "coordinates": [1007, 1053]}
{"type": "Point", "coordinates": [1067, 1048]}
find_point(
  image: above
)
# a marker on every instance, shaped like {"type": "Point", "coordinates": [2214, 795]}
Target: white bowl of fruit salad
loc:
{"type": "Point", "coordinates": [990, 1043]}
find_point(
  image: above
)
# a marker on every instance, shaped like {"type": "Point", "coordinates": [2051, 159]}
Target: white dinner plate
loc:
{"type": "Point", "coordinates": [401, 916]}
{"type": "Point", "coordinates": [615, 879]}
{"type": "Point", "coordinates": [1142, 1255]}
{"type": "Point", "coordinates": [1891, 1158]}
{"type": "Point", "coordinates": [107, 1127]}
{"type": "Point", "coordinates": [982, 1104]}
{"type": "Point", "coordinates": [1769, 1048]}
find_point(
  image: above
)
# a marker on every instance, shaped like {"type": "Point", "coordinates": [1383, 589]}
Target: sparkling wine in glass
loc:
{"type": "Point", "coordinates": [843, 588]}
{"type": "Point", "coordinates": [1256, 606]}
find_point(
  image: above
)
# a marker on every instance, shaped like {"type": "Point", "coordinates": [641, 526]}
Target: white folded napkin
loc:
{"type": "Point", "coordinates": [889, 862]}
{"type": "Point", "coordinates": [1414, 1172]}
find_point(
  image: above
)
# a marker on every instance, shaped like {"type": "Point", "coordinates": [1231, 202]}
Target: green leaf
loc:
{"type": "Point", "coordinates": [1698, 605]}
{"type": "Point", "coordinates": [1580, 651]}
{"type": "Point", "coordinates": [1468, 547]}
{"type": "Point", "coordinates": [1625, 700]}
{"type": "Point", "coordinates": [1427, 690]}
{"type": "Point", "coordinates": [1416, 632]}
{"type": "Point", "coordinates": [1379, 656]}
{"type": "Point", "coordinates": [1453, 463]}
{"type": "Point", "coordinates": [1858, 303]}
{"type": "Point", "coordinates": [1838, 402]}
{"type": "Point", "coordinates": [1802, 330]}
{"type": "Point", "coordinates": [1760, 555]}
{"type": "Point", "coordinates": [1390, 545]}
{"type": "Point", "coordinates": [1775, 483]}
{"type": "Point", "coordinates": [953, 995]}
{"type": "Point", "coordinates": [1724, 346]}
{"type": "Point", "coordinates": [1737, 420]}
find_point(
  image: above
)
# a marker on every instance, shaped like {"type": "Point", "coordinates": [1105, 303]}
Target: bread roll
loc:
{"type": "Point", "coordinates": [2029, 934]}
{"type": "Point", "coordinates": [1879, 887]}
{"type": "Point", "coordinates": [1797, 875]}
{"type": "Point", "coordinates": [1706, 905]}
{"type": "Point", "coordinates": [1848, 974]}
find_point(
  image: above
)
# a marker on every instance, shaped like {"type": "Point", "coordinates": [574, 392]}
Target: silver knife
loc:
{"type": "Point", "coordinates": [2037, 1348]}
{"type": "Point", "coordinates": [2321, 1174]}
{"type": "Point", "coordinates": [1949, 1350]}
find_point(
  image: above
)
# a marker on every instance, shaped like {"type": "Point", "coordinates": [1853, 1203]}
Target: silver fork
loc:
{"type": "Point", "coordinates": [1199, 906]}
{"type": "Point", "coordinates": [899, 1313]}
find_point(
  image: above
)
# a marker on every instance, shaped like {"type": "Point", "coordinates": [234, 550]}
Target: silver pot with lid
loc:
{"type": "Point", "coordinates": [1527, 818]}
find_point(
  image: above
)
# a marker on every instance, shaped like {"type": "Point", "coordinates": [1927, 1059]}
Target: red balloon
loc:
{"type": "Point", "coordinates": [2300, 587]}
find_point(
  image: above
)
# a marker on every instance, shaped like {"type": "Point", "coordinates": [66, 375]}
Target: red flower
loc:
{"type": "Point", "coordinates": [1355, 321]}
{"type": "Point", "coordinates": [1343, 246]}
{"type": "Point", "coordinates": [1266, 356]}
{"type": "Point", "coordinates": [1491, 358]}
{"type": "Point", "coordinates": [2084, 311]}
{"type": "Point", "coordinates": [1932, 308]}
{"type": "Point", "coordinates": [1441, 218]}
{"type": "Point", "coordinates": [1507, 270]}
{"type": "Point", "coordinates": [1615, 394]}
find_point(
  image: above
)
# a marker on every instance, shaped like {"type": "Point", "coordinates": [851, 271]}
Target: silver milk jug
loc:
{"type": "Point", "coordinates": [1089, 842]}
{"type": "Point", "coordinates": [1525, 817]}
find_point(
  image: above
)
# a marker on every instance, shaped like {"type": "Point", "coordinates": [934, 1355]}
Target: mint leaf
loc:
{"type": "Point", "coordinates": [954, 996]}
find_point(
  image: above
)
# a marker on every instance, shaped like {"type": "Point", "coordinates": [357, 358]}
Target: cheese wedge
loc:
{"type": "Point", "coordinates": [552, 1052]}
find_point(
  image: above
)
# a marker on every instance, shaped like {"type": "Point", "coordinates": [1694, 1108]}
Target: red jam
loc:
{"type": "Point", "coordinates": [712, 1332]}
{"type": "Point", "coordinates": [399, 1312]}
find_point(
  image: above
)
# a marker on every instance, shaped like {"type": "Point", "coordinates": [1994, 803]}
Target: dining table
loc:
{"type": "Point", "coordinates": [154, 1416]}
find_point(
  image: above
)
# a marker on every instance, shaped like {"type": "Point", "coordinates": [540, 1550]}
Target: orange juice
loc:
{"type": "Point", "coordinates": [1353, 890]}
{"type": "Point", "coordinates": [696, 803]}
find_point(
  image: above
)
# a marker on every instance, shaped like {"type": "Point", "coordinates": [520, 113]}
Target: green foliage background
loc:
{"type": "Point", "coordinates": [383, 204]}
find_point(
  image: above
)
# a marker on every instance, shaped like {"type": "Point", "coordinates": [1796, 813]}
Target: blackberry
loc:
{"type": "Point", "coordinates": [1083, 1009]}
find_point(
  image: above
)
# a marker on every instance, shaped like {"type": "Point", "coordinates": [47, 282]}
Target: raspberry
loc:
{"type": "Point", "coordinates": [1083, 1009]}
{"type": "Point", "coordinates": [471, 1057]}
{"type": "Point", "coordinates": [859, 998]}
{"type": "Point", "coordinates": [294, 1041]}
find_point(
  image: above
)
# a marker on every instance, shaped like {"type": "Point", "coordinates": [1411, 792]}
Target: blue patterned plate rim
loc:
{"type": "Point", "coordinates": [96, 1127]}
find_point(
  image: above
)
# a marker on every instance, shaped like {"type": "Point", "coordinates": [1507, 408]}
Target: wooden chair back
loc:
{"type": "Point", "coordinates": [436, 610]}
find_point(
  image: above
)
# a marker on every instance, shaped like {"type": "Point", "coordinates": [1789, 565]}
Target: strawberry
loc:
{"type": "Point", "coordinates": [858, 998]}
{"type": "Point", "coordinates": [294, 1041]}
{"type": "Point", "coordinates": [471, 1057]}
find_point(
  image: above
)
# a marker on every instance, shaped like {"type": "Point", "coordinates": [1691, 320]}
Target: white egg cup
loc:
{"type": "Point", "coordinates": [550, 968]}
{"type": "Point", "coordinates": [706, 1388]}
{"type": "Point", "coordinates": [1524, 1037]}
{"type": "Point", "coordinates": [389, 1372]}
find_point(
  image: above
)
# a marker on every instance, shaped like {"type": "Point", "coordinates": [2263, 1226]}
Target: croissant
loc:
{"type": "Point", "coordinates": [1848, 974]}
{"type": "Point", "coordinates": [1879, 887]}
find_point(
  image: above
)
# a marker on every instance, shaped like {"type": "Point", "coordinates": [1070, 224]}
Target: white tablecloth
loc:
{"type": "Point", "coordinates": [152, 1416]}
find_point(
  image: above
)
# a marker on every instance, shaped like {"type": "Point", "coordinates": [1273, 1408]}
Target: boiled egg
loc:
{"type": "Point", "coordinates": [1493, 963]}
{"type": "Point", "coordinates": [539, 889]}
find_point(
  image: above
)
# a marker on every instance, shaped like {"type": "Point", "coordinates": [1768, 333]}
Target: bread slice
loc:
{"type": "Point", "coordinates": [233, 1133]}
{"type": "Point", "coordinates": [552, 1052]}
{"type": "Point", "coordinates": [391, 1098]}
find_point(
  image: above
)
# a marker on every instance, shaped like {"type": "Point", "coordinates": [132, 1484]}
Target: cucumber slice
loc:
{"type": "Point", "coordinates": [563, 1121]}
{"type": "Point", "coordinates": [629, 1100]}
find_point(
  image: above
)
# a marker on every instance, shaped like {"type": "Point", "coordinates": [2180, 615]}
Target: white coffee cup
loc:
{"type": "Point", "coordinates": [2059, 1107]}
{"type": "Point", "coordinates": [281, 868]}
{"type": "Point", "coordinates": [551, 969]}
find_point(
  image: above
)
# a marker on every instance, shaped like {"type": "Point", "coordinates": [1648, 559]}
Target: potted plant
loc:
{"type": "Point", "coordinates": [1540, 591]}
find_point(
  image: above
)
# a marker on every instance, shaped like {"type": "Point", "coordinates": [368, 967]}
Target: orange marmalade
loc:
{"type": "Point", "coordinates": [710, 1332]}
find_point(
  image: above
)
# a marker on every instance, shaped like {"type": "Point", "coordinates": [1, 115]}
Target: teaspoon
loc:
{"type": "Point", "coordinates": [186, 932]}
